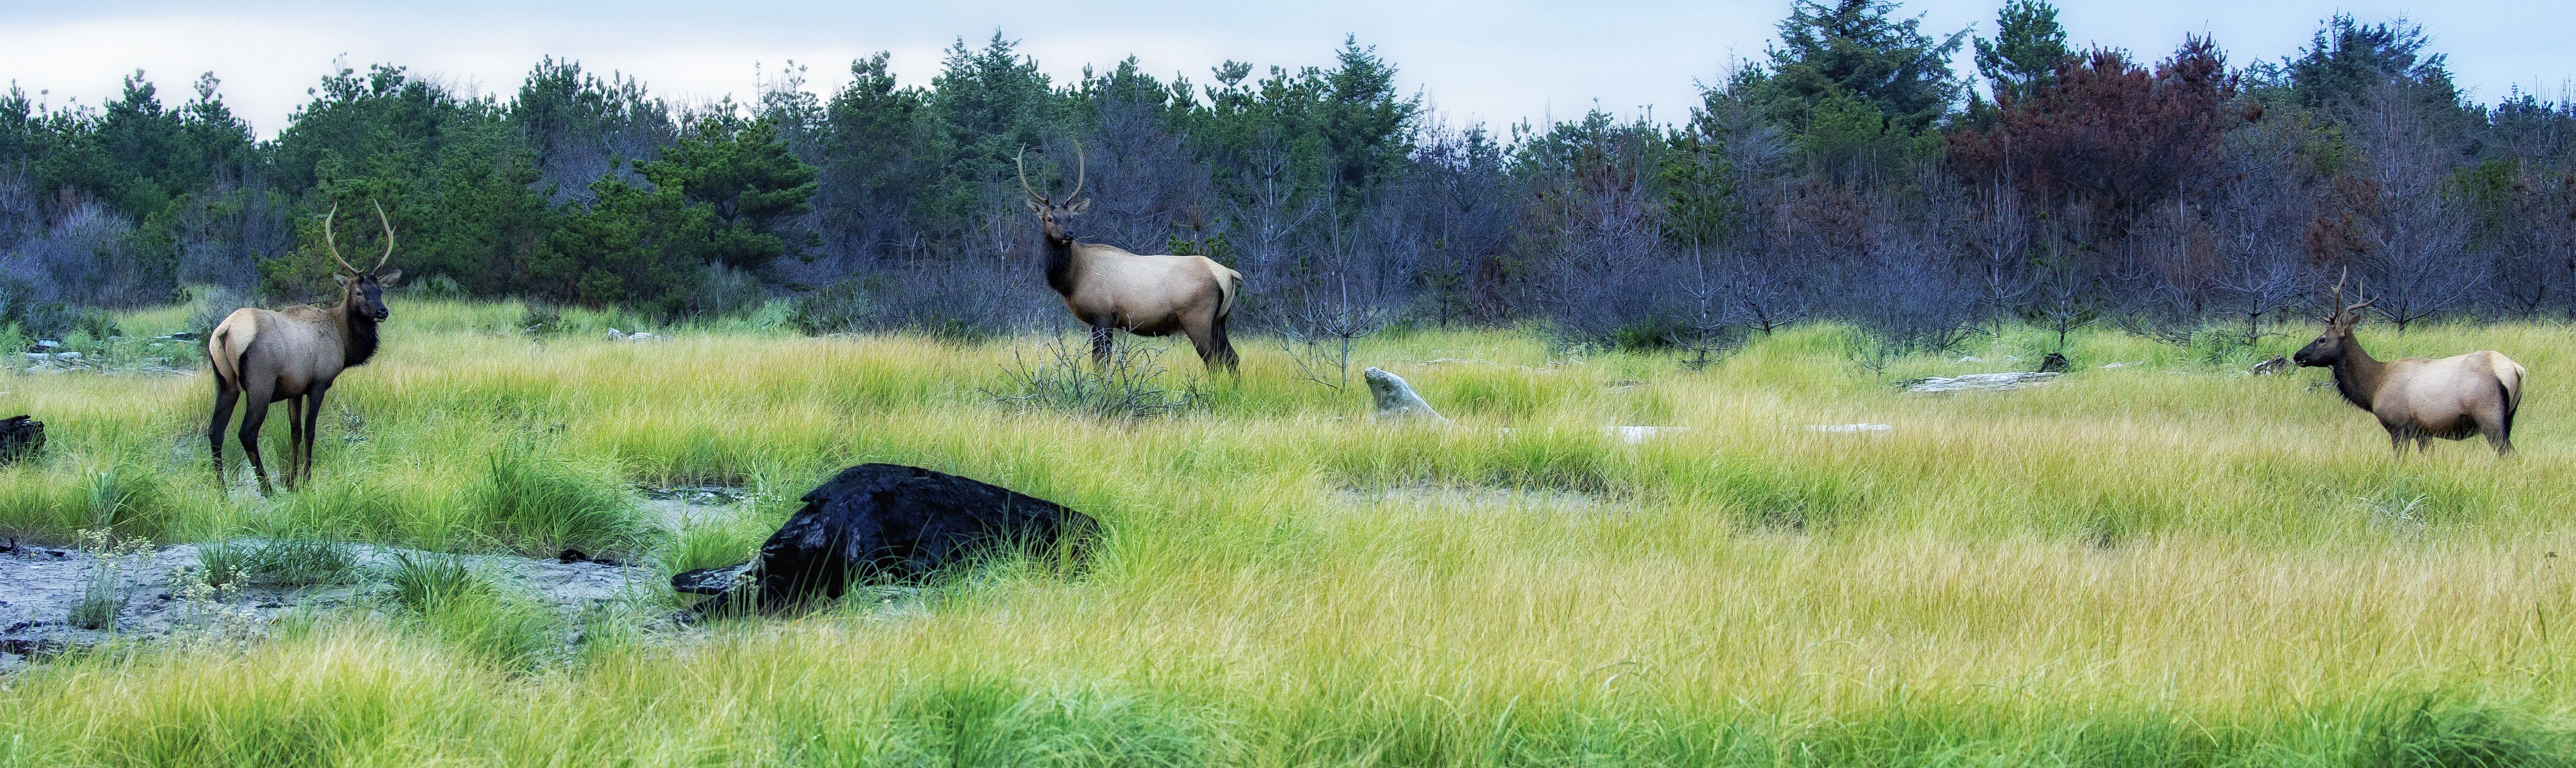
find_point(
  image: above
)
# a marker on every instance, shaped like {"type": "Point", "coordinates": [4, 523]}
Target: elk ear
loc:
{"type": "Point", "coordinates": [388, 277]}
{"type": "Point", "coordinates": [344, 280]}
{"type": "Point", "coordinates": [1079, 206]}
{"type": "Point", "coordinates": [1035, 206]}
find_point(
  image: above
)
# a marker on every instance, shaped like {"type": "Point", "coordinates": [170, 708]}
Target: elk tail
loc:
{"type": "Point", "coordinates": [1228, 283]}
{"type": "Point", "coordinates": [214, 341]}
{"type": "Point", "coordinates": [2509, 382]}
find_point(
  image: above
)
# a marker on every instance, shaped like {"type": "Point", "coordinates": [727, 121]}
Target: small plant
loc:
{"type": "Point", "coordinates": [105, 594]}
{"type": "Point", "coordinates": [541, 320]}
{"type": "Point", "coordinates": [221, 564]}
{"type": "Point", "coordinates": [1319, 339]}
{"type": "Point", "coordinates": [1067, 381]}
{"type": "Point", "coordinates": [841, 306]}
{"type": "Point", "coordinates": [300, 562]}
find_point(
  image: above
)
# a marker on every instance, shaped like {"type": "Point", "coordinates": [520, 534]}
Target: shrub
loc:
{"type": "Point", "coordinates": [1066, 381]}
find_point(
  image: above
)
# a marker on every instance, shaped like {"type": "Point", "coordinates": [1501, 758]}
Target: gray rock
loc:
{"type": "Point", "coordinates": [1978, 381]}
{"type": "Point", "coordinates": [1396, 399]}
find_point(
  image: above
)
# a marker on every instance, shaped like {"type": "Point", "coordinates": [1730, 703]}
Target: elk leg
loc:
{"type": "Point", "coordinates": [294, 440]}
{"type": "Point", "coordinates": [225, 395]}
{"type": "Point", "coordinates": [312, 427]}
{"type": "Point", "coordinates": [1100, 343]}
{"type": "Point", "coordinates": [2491, 423]}
{"type": "Point", "coordinates": [253, 416]}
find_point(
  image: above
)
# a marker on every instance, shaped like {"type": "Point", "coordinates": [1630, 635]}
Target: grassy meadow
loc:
{"type": "Point", "coordinates": [2164, 564]}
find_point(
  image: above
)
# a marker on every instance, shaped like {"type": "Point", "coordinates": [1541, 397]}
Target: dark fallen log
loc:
{"type": "Point", "coordinates": [891, 523]}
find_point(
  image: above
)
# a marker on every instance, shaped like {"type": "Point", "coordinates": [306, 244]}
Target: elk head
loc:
{"type": "Point", "coordinates": [1051, 214]}
{"type": "Point", "coordinates": [362, 292]}
{"type": "Point", "coordinates": [2329, 348]}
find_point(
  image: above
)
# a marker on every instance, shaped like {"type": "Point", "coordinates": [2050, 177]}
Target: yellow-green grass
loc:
{"type": "Point", "coordinates": [2151, 565]}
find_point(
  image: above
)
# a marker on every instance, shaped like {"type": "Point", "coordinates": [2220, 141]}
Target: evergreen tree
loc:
{"type": "Point", "coordinates": [2348, 59]}
{"type": "Point", "coordinates": [748, 181]}
{"type": "Point", "coordinates": [1858, 49]}
{"type": "Point", "coordinates": [2026, 51]}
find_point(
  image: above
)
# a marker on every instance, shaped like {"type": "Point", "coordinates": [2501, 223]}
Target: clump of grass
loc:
{"type": "Point", "coordinates": [427, 581]}
{"type": "Point", "coordinates": [125, 498]}
{"type": "Point", "coordinates": [449, 601]}
{"type": "Point", "coordinates": [300, 562]}
{"type": "Point", "coordinates": [531, 499]}
{"type": "Point", "coordinates": [222, 563]}
{"type": "Point", "coordinates": [1066, 380]}
{"type": "Point", "coordinates": [714, 544]}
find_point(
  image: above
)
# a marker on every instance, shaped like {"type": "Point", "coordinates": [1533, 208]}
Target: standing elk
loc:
{"type": "Point", "coordinates": [294, 355]}
{"type": "Point", "coordinates": [2419, 398]}
{"type": "Point", "coordinates": [1110, 288]}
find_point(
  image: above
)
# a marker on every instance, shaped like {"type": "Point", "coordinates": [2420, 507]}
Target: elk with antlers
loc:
{"type": "Point", "coordinates": [1110, 288]}
{"type": "Point", "coordinates": [2419, 398]}
{"type": "Point", "coordinates": [294, 355]}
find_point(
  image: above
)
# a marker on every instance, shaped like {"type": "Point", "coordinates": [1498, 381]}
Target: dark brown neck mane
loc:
{"type": "Point", "coordinates": [357, 331]}
{"type": "Point", "coordinates": [2357, 374]}
{"type": "Point", "coordinates": [1059, 263]}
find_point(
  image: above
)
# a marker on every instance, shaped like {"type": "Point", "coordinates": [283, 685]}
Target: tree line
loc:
{"type": "Point", "coordinates": [1847, 174]}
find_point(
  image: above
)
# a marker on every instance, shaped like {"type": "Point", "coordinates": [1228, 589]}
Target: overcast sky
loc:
{"type": "Point", "coordinates": [1498, 61]}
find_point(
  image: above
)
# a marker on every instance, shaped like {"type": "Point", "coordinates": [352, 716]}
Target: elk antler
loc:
{"type": "Point", "coordinates": [1023, 162]}
{"type": "Point", "coordinates": [334, 245]}
{"type": "Point", "coordinates": [1080, 167]}
{"type": "Point", "coordinates": [389, 239]}
{"type": "Point", "coordinates": [2334, 299]}
{"type": "Point", "coordinates": [2360, 290]}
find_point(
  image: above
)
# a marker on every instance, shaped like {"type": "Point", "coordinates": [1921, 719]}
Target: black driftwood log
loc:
{"type": "Point", "coordinates": [20, 437]}
{"type": "Point", "coordinates": [891, 523]}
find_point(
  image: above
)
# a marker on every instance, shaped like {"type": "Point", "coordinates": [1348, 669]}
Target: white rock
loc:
{"type": "Point", "coordinates": [1635, 435]}
{"type": "Point", "coordinates": [1852, 427]}
{"type": "Point", "coordinates": [1395, 398]}
{"type": "Point", "coordinates": [1977, 381]}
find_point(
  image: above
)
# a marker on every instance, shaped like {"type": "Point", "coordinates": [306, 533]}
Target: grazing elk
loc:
{"type": "Point", "coordinates": [1109, 288]}
{"type": "Point", "coordinates": [293, 355]}
{"type": "Point", "coordinates": [2419, 398]}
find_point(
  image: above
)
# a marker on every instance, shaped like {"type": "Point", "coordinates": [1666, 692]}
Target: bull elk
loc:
{"type": "Point", "coordinates": [2419, 398]}
{"type": "Point", "coordinates": [1110, 288]}
{"type": "Point", "coordinates": [261, 357]}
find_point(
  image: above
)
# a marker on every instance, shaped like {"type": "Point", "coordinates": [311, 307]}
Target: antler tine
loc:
{"type": "Point", "coordinates": [333, 244]}
{"type": "Point", "coordinates": [2335, 298]}
{"type": "Point", "coordinates": [2363, 292]}
{"type": "Point", "coordinates": [1081, 167]}
{"type": "Point", "coordinates": [389, 239]}
{"type": "Point", "coordinates": [1023, 162]}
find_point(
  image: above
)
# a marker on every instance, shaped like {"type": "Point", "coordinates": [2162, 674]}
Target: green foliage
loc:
{"type": "Point", "coordinates": [633, 247]}
{"type": "Point", "coordinates": [2027, 49]}
{"type": "Point", "coordinates": [1699, 190]}
{"type": "Point", "coordinates": [743, 175]}
{"type": "Point", "coordinates": [1857, 50]}
{"type": "Point", "coordinates": [836, 308]}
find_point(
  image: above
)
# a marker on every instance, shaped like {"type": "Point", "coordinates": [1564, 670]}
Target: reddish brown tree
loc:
{"type": "Point", "coordinates": [2106, 133]}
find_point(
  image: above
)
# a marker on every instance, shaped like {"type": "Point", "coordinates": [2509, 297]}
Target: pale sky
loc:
{"type": "Point", "coordinates": [1498, 61]}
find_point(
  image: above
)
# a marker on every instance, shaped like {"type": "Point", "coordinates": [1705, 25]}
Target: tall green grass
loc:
{"type": "Point", "coordinates": [2165, 564]}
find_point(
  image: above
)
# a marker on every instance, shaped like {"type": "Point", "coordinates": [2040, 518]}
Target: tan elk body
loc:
{"type": "Point", "coordinates": [295, 355]}
{"type": "Point", "coordinates": [1110, 288]}
{"type": "Point", "coordinates": [2419, 398]}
